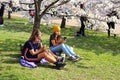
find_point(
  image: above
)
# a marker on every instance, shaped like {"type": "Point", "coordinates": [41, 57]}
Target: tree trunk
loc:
{"type": "Point", "coordinates": [37, 23]}
{"type": "Point", "coordinates": [37, 15]}
{"type": "Point", "coordinates": [63, 23]}
{"type": "Point", "coordinates": [9, 14]}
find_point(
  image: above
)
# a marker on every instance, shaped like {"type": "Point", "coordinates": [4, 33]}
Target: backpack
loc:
{"type": "Point", "coordinates": [21, 49]}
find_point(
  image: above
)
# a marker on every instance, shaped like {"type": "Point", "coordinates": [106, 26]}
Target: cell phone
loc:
{"type": "Point", "coordinates": [65, 38]}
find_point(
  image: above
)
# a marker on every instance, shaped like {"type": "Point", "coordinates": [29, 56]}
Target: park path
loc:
{"type": "Point", "coordinates": [70, 22]}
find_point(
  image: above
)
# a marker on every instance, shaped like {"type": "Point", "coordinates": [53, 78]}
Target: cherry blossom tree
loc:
{"type": "Point", "coordinates": [96, 11]}
{"type": "Point", "coordinates": [43, 6]}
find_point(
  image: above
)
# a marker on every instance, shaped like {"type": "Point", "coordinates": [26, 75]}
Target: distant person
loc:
{"type": "Point", "coordinates": [34, 51]}
{"type": "Point", "coordinates": [63, 23]}
{"type": "Point", "coordinates": [32, 14]}
{"type": "Point", "coordinates": [2, 8]}
{"type": "Point", "coordinates": [82, 15]}
{"type": "Point", "coordinates": [57, 44]}
{"type": "Point", "coordinates": [111, 24]}
{"type": "Point", "coordinates": [81, 32]}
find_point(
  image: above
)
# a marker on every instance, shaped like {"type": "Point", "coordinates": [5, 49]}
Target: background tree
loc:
{"type": "Point", "coordinates": [10, 5]}
{"type": "Point", "coordinates": [96, 11]}
{"type": "Point", "coordinates": [72, 8]}
{"type": "Point", "coordinates": [42, 7]}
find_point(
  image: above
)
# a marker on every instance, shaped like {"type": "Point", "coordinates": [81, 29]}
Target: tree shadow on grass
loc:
{"type": "Point", "coordinates": [83, 65]}
{"type": "Point", "coordinates": [10, 51]}
{"type": "Point", "coordinates": [11, 58]}
{"type": "Point", "coordinates": [9, 77]}
{"type": "Point", "coordinates": [20, 27]}
{"type": "Point", "coordinates": [97, 44]}
{"type": "Point", "coordinates": [11, 45]}
{"type": "Point", "coordinates": [17, 27]}
{"type": "Point", "coordinates": [51, 66]}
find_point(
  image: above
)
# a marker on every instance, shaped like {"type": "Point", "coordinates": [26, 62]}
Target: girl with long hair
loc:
{"type": "Point", "coordinates": [34, 51]}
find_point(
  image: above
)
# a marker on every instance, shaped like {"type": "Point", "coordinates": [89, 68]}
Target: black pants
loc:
{"type": "Point", "coordinates": [82, 30]}
{"type": "Point", "coordinates": [111, 25]}
{"type": "Point", "coordinates": [1, 20]}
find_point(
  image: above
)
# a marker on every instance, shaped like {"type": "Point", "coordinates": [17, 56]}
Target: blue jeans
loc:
{"type": "Point", "coordinates": [63, 47]}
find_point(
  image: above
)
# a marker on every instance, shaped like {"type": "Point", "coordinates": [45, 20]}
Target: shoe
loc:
{"type": "Point", "coordinates": [72, 59]}
{"type": "Point", "coordinates": [114, 36]}
{"type": "Point", "coordinates": [60, 65]}
{"type": "Point", "coordinates": [60, 59]}
{"type": "Point", "coordinates": [1, 25]}
{"type": "Point", "coordinates": [78, 57]}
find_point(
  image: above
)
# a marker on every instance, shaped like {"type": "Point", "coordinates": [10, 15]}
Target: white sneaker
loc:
{"type": "Point", "coordinates": [1, 25]}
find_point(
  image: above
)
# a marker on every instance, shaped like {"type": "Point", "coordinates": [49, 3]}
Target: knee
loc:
{"type": "Point", "coordinates": [62, 44]}
{"type": "Point", "coordinates": [43, 54]}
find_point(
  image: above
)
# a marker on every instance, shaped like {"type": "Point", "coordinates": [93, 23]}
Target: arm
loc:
{"type": "Point", "coordinates": [55, 43]}
{"type": "Point", "coordinates": [37, 51]}
{"type": "Point", "coordinates": [61, 40]}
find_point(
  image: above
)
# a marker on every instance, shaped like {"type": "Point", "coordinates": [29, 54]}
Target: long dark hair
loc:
{"type": "Point", "coordinates": [58, 37]}
{"type": "Point", "coordinates": [34, 34]}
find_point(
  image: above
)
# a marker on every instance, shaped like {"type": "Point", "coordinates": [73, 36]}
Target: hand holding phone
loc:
{"type": "Point", "coordinates": [65, 38]}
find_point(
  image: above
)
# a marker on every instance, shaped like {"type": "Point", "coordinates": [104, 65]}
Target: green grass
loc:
{"type": "Point", "coordinates": [101, 55]}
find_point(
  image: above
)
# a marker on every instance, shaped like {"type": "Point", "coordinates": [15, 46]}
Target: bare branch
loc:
{"type": "Point", "coordinates": [115, 2]}
{"type": "Point", "coordinates": [49, 7]}
{"type": "Point", "coordinates": [63, 2]}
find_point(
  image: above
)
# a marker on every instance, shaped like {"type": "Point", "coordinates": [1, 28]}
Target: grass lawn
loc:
{"type": "Point", "coordinates": [101, 55]}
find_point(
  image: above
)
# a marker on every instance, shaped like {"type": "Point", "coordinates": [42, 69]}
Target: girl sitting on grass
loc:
{"type": "Point", "coordinates": [34, 51]}
{"type": "Point", "coordinates": [57, 44]}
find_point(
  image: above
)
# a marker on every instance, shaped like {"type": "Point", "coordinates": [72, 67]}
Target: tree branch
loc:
{"type": "Point", "coordinates": [63, 2]}
{"type": "Point", "coordinates": [48, 7]}
{"type": "Point", "coordinates": [115, 2]}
